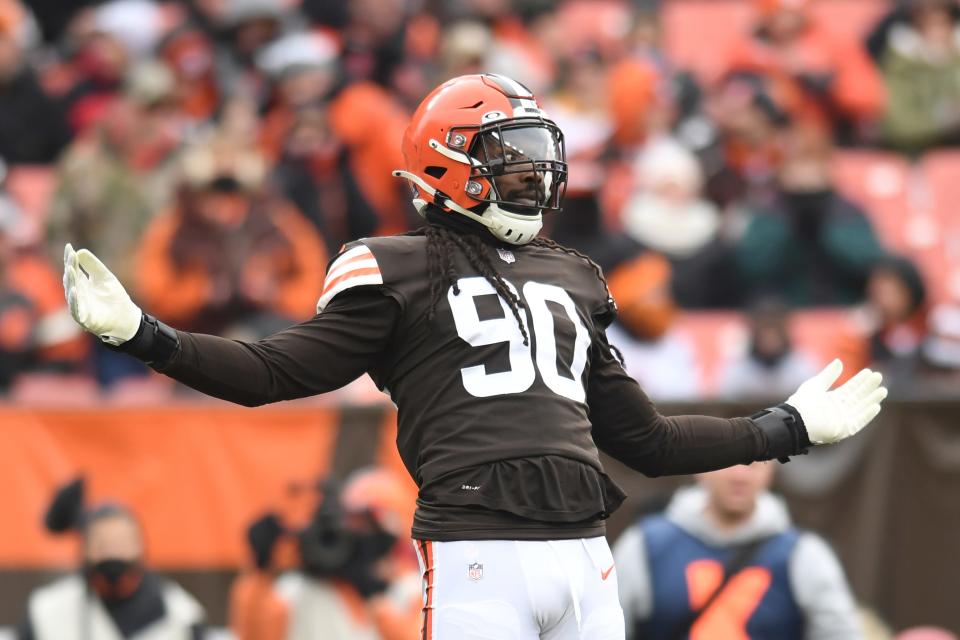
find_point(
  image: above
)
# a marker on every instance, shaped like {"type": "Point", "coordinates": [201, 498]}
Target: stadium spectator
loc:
{"type": "Point", "coordinates": [111, 181]}
{"type": "Point", "coordinates": [33, 334]}
{"type": "Point", "coordinates": [240, 258]}
{"type": "Point", "coordinates": [18, 315]}
{"type": "Point", "coordinates": [357, 577]}
{"type": "Point", "coordinates": [920, 62]}
{"type": "Point", "coordinates": [316, 169]}
{"type": "Point", "coordinates": [667, 214]}
{"type": "Point", "coordinates": [770, 366]}
{"type": "Point", "coordinates": [107, 42]}
{"type": "Point", "coordinates": [631, 99]}
{"type": "Point", "coordinates": [724, 561]}
{"type": "Point", "coordinates": [32, 125]}
{"type": "Point", "coordinates": [190, 55]}
{"type": "Point", "coordinates": [653, 354]}
{"type": "Point", "coordinates": [524, 41]}
{"type": "Point", "coordinates": [113, 595]}
{"type": "Point", "coordinates": [894, 322]}
{"type": "Point", "coordinates": [740, 140]}
{"type": "Point", "coordinates": [246, 27]}
{"type": "Point", "coordinates": [809, 244]}
{"type": "Point", "coordinates": [820, 77]}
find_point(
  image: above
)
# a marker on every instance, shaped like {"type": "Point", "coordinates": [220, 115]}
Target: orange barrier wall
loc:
{"type": "Point", "coordinates": [195, 475]}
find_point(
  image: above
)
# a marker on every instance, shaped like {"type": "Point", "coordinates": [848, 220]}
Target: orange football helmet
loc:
{"type": "Point", "coordinates": [481, 146]}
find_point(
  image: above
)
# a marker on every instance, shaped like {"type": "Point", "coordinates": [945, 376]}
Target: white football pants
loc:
{"type": "Point", "coordinates": [519, 590]}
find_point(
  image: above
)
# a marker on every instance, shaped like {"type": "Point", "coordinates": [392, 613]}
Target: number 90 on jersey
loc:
{"type": "Point", "coordinates": [525, 360]}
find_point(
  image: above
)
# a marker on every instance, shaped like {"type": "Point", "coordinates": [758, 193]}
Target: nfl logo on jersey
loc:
{"type": "Point", "coordinates": [507, 256]}
{"type": "Point", "coordinates": [475, 571]}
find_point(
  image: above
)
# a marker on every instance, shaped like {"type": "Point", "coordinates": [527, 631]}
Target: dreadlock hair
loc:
{"type": "Point", "coordinates": [442, 243]}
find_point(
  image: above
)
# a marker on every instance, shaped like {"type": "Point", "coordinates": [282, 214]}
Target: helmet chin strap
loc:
{"type": "Point", "coordinates": [512, 228]}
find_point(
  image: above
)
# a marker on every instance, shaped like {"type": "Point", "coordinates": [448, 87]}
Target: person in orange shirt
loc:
{"type": "Point", "coordinates": [239, 258]}
{"type": "Point", "coordinates": [818, 75]}
{"type": "Point", "coordinates": [356, 576]}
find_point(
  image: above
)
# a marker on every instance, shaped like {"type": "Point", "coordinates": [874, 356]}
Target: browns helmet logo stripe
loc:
{"type": "Point", "coordinates": [354, 267]}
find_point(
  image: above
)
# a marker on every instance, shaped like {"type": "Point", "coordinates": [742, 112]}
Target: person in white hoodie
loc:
{"type": "Point", "coordinates": [724, 561]}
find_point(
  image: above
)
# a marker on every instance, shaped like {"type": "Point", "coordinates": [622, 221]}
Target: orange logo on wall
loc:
{"type": "Point", "coordinates": [729, 613]}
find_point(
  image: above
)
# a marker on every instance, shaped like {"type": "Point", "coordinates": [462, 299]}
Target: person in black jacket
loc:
{"type": "Point", "coordinates": [32, 125]}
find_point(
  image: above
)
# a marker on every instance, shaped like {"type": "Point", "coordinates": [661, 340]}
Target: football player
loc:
{"type": "Point", "coordinates": [491, 342]}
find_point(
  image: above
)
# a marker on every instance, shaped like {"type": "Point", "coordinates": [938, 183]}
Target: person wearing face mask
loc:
{"type": "Point", "coordinates": [809, 244]}
{"type": "Point", "coordinates": [113, 596]}
{"type": "Point", "coordinates": [667, 214]}
{"type": "Point", "coordinates": [770, 364]}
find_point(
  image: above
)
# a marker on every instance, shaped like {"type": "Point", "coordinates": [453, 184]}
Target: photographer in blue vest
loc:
{"type": "Point", "coordinates": [724, 561]}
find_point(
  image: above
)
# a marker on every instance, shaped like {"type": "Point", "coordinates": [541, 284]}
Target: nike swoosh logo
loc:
{"type": "Point", "coordinates": [606, 574]}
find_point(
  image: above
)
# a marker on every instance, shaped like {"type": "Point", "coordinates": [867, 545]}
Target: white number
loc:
{"type": "Point", "coordinates": [537, 295]}
{"type": "Point", "coordinates": [479, 333]}
{"type": "Point", "coordinates": [520, 377]}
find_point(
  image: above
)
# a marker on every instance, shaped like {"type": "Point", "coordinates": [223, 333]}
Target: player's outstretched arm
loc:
{"type": "Point", "coordinates": [318, 355]}
{"type": "Point", "coordinates": [627, 426]}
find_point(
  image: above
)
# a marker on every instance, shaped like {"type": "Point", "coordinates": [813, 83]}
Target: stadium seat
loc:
{"type": "Point", "coordinates": [941, 170]}
{"type": "Point", "coordinates": [881, 183]}
{"type": "Point", "coordinates": [912, 208]}
{"type": "Point", "coordinates": [49, 390]}
{"type": "Point", "coordinates": [716, 336]}
{"type": "Point", "coordinates": [698, 33]}
{"type": "Point", "coordinates": [153, 389]}
{"type": "Point", "coordinates": [720, 336]}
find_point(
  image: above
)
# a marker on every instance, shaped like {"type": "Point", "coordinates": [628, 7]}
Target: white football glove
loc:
{"type": "Point", "coordinates": [97, 300]}
{"type": "Point", "coordinates": [831, 416]}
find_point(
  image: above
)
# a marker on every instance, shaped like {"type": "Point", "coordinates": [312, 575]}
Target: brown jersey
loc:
{"type": "Point", "coordinates": [500, 427]}
{"type": "Point", "coordinates": [481, 406]}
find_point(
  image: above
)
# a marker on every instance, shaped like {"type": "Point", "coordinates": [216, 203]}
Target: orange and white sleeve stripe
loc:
{"type": "Point", "coordinates": [354, 267]}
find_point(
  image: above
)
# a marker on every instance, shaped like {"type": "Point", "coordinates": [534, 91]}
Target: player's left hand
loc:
{"type": "Point", "coordinates": [831, 416]}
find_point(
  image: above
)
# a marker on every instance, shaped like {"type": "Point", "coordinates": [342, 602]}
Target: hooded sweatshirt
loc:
{"type": "Point", "coordinates": [816, 578]}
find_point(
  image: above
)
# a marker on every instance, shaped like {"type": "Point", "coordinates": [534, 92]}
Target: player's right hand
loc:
{"type": "Point", "coordinates": [97, 300]}
{"type": "Point", "coordinates": [830, 416]}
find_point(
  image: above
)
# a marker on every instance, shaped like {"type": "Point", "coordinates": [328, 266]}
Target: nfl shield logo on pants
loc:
{"type": "Point", "coordinates": [475, 571]}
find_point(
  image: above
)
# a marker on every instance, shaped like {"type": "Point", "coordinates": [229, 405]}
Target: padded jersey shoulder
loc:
{"type": "Point", "coordinates": [387, 263]}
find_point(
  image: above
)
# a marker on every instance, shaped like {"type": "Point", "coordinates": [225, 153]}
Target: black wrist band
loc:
{"type": "Point", "coordinates": [155, 343]}
{"type": "Point", "coordinates": [785, 431]}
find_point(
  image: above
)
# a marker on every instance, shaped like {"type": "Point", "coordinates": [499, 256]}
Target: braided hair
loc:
{"type": "Point", "coordinates": [442, 243]}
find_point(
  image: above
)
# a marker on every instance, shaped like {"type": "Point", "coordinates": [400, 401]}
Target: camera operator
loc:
{"type": "Point", "coordinates": [356, 574]}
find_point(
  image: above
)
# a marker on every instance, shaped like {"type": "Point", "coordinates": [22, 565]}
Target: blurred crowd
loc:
{"type": "Point", "coordinates": [216, 153]}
